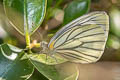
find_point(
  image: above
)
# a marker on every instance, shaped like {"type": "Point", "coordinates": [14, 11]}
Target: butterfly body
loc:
{"type": "Point", "coordinates": [83, 40]}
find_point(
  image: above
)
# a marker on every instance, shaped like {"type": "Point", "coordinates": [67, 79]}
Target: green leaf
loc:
{"type": "Point", "coordinates": [25, 15]}
{"type": "Point", "coordinates": [37, 76]}
{"type": "Point", "coordinates": [13, 65]}
{"type": "Point", "coordinates": [76, 9]}
{"type": "Point", "coordinates": [48, 71]}
{"type": "Point", "coordinates": [53, 72]}
{"type": "Point", "coordinates": [42, 58]}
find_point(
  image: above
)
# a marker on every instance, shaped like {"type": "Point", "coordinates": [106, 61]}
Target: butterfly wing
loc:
{"type": "Point", "coordinates": [83, 40]}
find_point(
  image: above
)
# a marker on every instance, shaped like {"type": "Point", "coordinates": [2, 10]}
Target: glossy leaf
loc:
{"type": "Point", "coordinates": [37, 76]}
{"type": "Point", "coordinates": [30, 12]}
{"type": "Point", "coordinates": [76, 9]}
{"type": "Point", "coordinates": [13, 65]}
{"type": "Point", "coordinates": [53, 72]}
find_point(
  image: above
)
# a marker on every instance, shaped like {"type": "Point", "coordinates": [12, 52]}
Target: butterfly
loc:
{"type": "Point", "coordinates": [83, 40]}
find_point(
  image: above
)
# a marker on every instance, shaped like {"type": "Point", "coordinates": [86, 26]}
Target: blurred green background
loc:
{"type": "Point", "coordinates": [57, 15]}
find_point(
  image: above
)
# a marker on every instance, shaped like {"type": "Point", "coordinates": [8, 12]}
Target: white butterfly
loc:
{"type": "Point", "coordinates": [82, 40]}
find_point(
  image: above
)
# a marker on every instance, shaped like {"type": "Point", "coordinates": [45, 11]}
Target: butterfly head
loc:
{"type": "Point", "coordinates": [44, 44]}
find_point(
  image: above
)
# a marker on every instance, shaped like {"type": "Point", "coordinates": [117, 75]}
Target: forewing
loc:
{"type": "Point", "coordinates": [84, 39]}
{"type": "Point", "coordinates": [97, 17]}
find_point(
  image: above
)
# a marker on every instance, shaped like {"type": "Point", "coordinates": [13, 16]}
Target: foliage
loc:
{"type": "Point", "coordinates": [14, 65]}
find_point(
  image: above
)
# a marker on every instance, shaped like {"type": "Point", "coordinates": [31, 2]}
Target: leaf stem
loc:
{"type": "Point", "coordinates": [27, 40]}
{"type": "Point", "coordinates": [27, 36]}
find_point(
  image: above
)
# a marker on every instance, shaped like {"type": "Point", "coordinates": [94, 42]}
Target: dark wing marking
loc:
{"type": "Point", "coordinates": [91, 18]}
{"type": "Point", "coordinates": [84, 39]}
